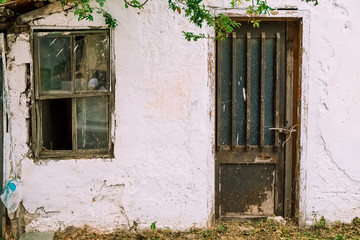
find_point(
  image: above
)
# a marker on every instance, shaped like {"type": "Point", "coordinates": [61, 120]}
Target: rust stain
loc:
{"type": "Point", "coordinates": [245, 190]}
{"type": "Point", "coordinates": [210, 114]}
{"type": "Point", "coordinates": [274, 13]}
{"type": "Point", "coordinates": [263, 158]}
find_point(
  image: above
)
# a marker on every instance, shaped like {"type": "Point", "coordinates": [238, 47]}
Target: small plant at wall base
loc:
{"type": "Point", "coordinates": [194, 10]}
{"type": "Point", "coordinates": [321, 224]}
{"type": "Point", "coordinates": [153, 225]}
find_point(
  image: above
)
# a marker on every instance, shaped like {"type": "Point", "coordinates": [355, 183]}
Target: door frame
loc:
{"type": "Point", "coordinates": [3, 58]}
{"type": "Point", "coordinates": [294, 71]}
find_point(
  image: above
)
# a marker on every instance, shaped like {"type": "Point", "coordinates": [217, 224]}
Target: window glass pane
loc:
{"type": "Point", "coordinates": [269, 136]}
{"type": "Point", "coordinates": [255, 92]}
{"type": "Point", "coordinates": [92, 122]}
{"type": "Point", "coordinates": [56, 124]}
{"type": "Point", "coordinates": [55, 64]}
{"type": "Point", "coordinates": [92, 62]}
{"type": "Point", "coordinates": [240, 91]}
{"type": "Point", "coordinates": [224, 82]}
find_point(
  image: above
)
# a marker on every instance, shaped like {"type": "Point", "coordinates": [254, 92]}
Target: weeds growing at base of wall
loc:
{"type": "Point", "coordinates": [321, 224]}
{"type": "Point", "coordinates": [228, 230]}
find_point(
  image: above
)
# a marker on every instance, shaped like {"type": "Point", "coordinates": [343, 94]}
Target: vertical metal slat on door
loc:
{"type": "Point", "coordinates": [233, 93]}
{"type": "Point", "coordinates": [277, 88]}
{"type": "Point", "coordinates": [262, 90]}
{"type": "Point", "coordinates": [248, 88]}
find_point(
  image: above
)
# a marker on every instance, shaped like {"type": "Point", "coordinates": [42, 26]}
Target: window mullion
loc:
{"type": "Point", "coordinates": [73, 100]}
{"type": "Point", "coordinates": [37, 67]}
{"type": "Point", "coordinates": [38, 115]}
{"type": "Point", "coordinates": [74, 124]}
{"type": "Point", "coordinates": [73, 62]}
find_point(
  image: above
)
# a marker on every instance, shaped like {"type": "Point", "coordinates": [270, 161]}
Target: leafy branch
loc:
{"type": "Point", "coordinates": [194, 10]}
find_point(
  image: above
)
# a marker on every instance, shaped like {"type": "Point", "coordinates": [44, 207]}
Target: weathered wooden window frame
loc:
{"type": "Point", "coordinates": [36, 109]}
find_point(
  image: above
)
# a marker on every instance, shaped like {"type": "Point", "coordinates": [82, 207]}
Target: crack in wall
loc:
{"type": "Point", "coordinates": [329, 155]}
{"type": "Point", "coordinates": [341, 7]}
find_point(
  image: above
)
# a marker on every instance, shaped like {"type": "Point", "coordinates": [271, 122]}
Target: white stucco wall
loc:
{"type": "Point", "coordinates": [329, 163]}
{"type": "Point", "coordinates": [163, 165]}
{"type": "Point", "coordinates": [164, 124]}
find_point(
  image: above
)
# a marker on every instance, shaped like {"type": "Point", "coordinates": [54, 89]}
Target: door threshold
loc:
{"type": "Point", "coordinates": [241, 218]}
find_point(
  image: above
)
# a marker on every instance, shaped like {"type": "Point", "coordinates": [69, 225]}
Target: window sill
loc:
{"type": "Point", "coordinates": [70, 155]}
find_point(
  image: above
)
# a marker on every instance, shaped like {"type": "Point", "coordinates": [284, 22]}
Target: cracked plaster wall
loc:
{"type": "Point", "coordinates": [164, 132]}
{"type": "Point", "coordinates": [161, 170]}
{"type": "Point", "coordinates": [333, 161]}
{"type": "Point", "coordinates": [329, 158]}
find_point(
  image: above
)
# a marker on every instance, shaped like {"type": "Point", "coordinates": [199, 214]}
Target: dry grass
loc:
{"type": "Point", "coordinates": [229, 230]}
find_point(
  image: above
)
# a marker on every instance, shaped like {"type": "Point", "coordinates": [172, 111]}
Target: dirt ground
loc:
{"type": "Point", "coordinates": [266, 229]}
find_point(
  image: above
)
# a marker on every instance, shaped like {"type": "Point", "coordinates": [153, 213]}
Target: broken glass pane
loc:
{"type": "Point", "coordinates": [92, 122]}
{"type": "Point", "coordinates": [92, 62]}
{"type": "Point", "coordinates": [55, 64]}
{"type": "Point", "coordinates": [56, 124]}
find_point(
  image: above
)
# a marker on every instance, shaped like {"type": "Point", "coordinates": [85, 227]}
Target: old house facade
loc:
{"type": "Point", "coordinates": [120, 128]}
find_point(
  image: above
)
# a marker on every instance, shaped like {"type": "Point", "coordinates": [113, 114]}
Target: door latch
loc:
{"type": "Point", "coordinates": [285, 130]}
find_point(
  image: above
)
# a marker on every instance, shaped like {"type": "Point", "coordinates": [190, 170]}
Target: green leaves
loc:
{"type": "Point", "coordinates": [194, 10]}
{"type": "Point", "coordinates": [83, 10]}
{"type": "Point", "coordinates": [101, 2]}
{"type": "Point", "coordinates": [199, 15]}
{"type": "Point", "coordinates": [261, 7]}
{"type": "Point", "coordinates": [224, 26]}
{"type": "Point", "coordinates": [191, 36]}
{"type": "Point", "coordinates": [315, 1]}
{"type": "Point", "coordinates": [109, 20]}
{"type": "Point", "coordinates": [153, 225]}
{"type": "Point", "coordinates": [134, 4]}
{"type": "Point", "coordinates": [320, 224]}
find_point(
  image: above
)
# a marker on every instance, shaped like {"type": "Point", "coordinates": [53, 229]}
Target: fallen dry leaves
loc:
{"type": "Point", "coordinates": [227, 230]}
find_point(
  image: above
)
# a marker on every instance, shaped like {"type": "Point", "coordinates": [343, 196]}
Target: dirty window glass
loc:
{"type": "Point", "coordinates": [92, 56]}
{"type": "Point", "coordinates": [92, 122]}
{"type": "Point", "coordinates": [55, 64]}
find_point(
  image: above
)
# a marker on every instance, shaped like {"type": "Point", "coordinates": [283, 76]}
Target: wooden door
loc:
{"type": "Point", "coordinates": [251, 113]}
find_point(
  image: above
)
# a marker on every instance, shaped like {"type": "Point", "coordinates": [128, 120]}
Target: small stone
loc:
{"type": "Point", "coordinates": [242, 228]}
{"type": "Point", "coordinates": [190, 236]}
{"type": "Point", "coordinates": [278, 219]}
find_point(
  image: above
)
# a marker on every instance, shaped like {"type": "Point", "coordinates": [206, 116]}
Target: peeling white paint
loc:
{"type": "Point", "coordinates": [163, 169]}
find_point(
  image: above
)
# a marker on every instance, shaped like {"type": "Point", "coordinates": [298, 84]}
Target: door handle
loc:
{"type": "Point", "coordinates": [284, 130]}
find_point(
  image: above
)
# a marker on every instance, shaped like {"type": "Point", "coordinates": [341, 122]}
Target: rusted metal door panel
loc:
{"type": "Point", "coordinates": [251, 101]}
{"type": "Point", "coordinates": [253, 181]}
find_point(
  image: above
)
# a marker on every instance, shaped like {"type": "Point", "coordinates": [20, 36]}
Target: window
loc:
{"type": "Point", "coordinates": [73, 93]}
